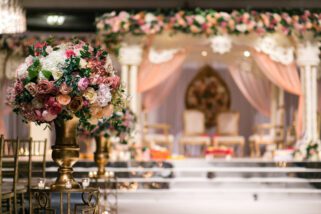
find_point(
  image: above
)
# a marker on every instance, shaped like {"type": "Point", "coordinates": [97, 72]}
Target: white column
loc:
{"type": "Point", "coordinates": [124, 76]}
{"type": "Point", "coordinates": [308, 60]}
{"type": "Point", "coordinates": [130, 56]}
{"type": "Point", "coordinates": [133, 84]}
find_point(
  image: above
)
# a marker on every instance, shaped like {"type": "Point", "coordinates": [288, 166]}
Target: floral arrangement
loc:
{"type": "Point", "coordinates": [310, 152]}
{"type": "Point", "coordinates": [19, 44]}
{"type": "Point", "coordinates": [113, 26]}
{"type": "Point", "coordinates": [120, 124]}
{"type": "Point", "coordinates": [57, 82]}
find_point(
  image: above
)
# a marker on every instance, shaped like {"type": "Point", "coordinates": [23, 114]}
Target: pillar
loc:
{"type": "Point", "coordinates": [308, 60]}
{"type": "Point", "coordinates": [130, 57]}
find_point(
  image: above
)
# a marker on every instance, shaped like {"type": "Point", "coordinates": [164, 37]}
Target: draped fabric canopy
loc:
{"type": "Point", "coordinates": [151, 74]}
{"type": "Point", "coordinates": [285, 77]}
{"type": "Point", "coordinates": [255, 87]}
{"type": "Point", "coordinates": [155, 81]}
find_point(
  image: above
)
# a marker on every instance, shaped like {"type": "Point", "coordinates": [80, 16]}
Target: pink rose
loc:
{"type": "Point", "coordinates": [83, 84]}
{"type": "Point", "coordinates": [31, 88]}
{"type": "Point", "coordinates": [45, 87]}
{"type": "Point", "coordinates": [18, 86]}
{"type": "Point", "coordinates": [70, 53]}
{"type": "Point", "coordinates": [53, 106]}
{"type": "Point", "coordinates": [114, 81]}
{"type": "Point", "coordinates": [64, 89]}
{"type": "Point", "coordinates": [47, 116]}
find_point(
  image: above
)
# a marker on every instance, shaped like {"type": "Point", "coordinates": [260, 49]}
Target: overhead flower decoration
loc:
{"type": "Point", "coordinates": [56, 83]}
{"type": "Point", "coordinates": [221, 44]}
{"type": "Point", "coordinates": [278, 53]}
{"type": "Point", "coordinates": [114, 26]}
{"type": "Point", "coordinates": [120, 124]}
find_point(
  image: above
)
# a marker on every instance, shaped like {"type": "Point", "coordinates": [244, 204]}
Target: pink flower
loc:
{"type": "Point", "coordinates": [18, 86]}
{"type": "Point", "coordinates": [70, 53]}
{"type": "Point", "coordinates": [114, 81]}
{"type": "Point", "coordinates": [45, 87]}
{"type": "Point", "coordinates": [55, 108]}
{"type": "Point", "coordinates": [47, 116]}
{"type": "Point", "coordinates": [64, 89]}
{"type": "Point", "coordinates": [83, 84]}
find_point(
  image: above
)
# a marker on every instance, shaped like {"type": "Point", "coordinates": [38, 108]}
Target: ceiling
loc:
{"type": "Point", "coordinates": [80, 14]}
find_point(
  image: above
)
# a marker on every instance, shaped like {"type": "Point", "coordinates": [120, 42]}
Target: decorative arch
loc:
{"type": "Point", "coordinates": [209, 93]}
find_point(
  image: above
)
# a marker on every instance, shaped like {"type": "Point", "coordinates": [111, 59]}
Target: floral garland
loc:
{"type": "Point", "coordinates": [19, 44]}
{"type": "Point", "coordinates": [113, 26]}
{"type": "Point", "coordinates": [56, 83]}
{"type": "Point", "coordinates": [120, 124]}
{"type": "Point", "coordinates": [310, 152]}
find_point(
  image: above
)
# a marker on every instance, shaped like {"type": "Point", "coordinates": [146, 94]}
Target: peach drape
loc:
{"type": "Point", "coordinates": [285, 77]}
{"type": "Point", "coordinates": [255, 87]}
{"type": "Point", "coordinates": [151, 75]}
{"type": "Point", "coordinates": [156, 81]}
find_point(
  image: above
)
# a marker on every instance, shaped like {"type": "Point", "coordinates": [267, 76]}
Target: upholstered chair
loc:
{"type": "Point", "coordinates": [228, 131]}
{"type": "Point", "coordinates": [194, 131]}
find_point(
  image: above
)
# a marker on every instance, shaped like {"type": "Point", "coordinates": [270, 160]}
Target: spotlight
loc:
{"type": "Point", "coordinates": [247, 53]}
{"type": "Point", "coordinates": [204, 53]}
{"type": "Point", "coordinates": [55, 20]}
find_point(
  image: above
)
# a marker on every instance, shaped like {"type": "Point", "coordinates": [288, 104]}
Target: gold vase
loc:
{"type": "Point", "coordinates": [65, 153]}
{"type": "Point", "coordinates": [101, 155]}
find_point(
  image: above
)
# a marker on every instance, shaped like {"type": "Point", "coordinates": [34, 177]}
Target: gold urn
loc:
{"type": "Point", "coordinates": [101, 155]}
{"type": "Point", "coordinates": [65, 153]}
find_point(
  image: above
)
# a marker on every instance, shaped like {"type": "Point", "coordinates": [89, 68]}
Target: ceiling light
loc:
{"type": "Point", "coordinates": [247, 53]}
{"type": "Point", "coordinates": [55, 20]}
{"type": "Point", "coordinates": [204, 53]}
{"type": "Point", "coordinates": [12, 17]}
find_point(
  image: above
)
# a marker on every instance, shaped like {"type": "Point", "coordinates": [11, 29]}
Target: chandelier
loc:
{"type": "Point", "coordinates": [12, 17]}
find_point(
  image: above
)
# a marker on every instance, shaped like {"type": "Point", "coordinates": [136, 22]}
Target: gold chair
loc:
{"type": "Point", "coordinates": [163, 138]}
{"type": "Point", "coordinates": [268, 134]}
{"type": "Point", "coordinates": [30, 149]}
{"type": "Point", "coordinates": [10, 190]}
{"type": "Point", "coordinates": [228, 131]}
{"type": "Point", "coordinates": [194, 131]}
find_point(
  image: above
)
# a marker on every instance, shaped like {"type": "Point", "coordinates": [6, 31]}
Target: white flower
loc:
{"type": "Point", "coordinates": [83, 63]}
{"type": "Point", "coordinates": [104, 95]}
{"type": "Point", "coordinates": [22, 70]}
{"type": "Point", "coordinates": [57, 74]}
{"type": "Point", "coordinates": [49, 49]}
{"type": "Point", "coordinates": [149, 17]}
{"type": "Point", "coordinates": [241, 27]}
{"type": "Point", "coordinates": [29, 60]}
{"type": "Point", "coordinates": [54, 62]}
{"type": "Point", "coordinates": [200, 19]}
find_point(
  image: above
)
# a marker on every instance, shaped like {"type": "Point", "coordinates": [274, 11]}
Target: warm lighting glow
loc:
{"type": "Point", "coordinates": [12, 17]}
{"type": "Point", "coordinates": [204, 53]}
{"type": "Point", "coordinates": [55, 20]}
{"type": "Point", "coordinates": [247, 53]}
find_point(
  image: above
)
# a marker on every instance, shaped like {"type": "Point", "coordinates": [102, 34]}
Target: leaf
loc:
{"type": "Point", "coordinates": [47, 74]}
{"type": "Point", "coordinates": [34, 69]}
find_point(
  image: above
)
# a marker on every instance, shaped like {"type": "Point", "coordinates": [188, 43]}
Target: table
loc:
{"type": "Point", "coordinates": [108, 187]}
{"type": "Point", "coordinates": [89, 196]}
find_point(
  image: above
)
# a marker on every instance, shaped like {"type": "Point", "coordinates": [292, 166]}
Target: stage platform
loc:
{"type": "Point", "coordinates": [188, 186]}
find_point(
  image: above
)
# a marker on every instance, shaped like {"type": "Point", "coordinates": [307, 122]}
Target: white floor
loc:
{"type": "Point", "coordinates": [223, 198]}
{"type": "Point", "coordinates": [219, 207]}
